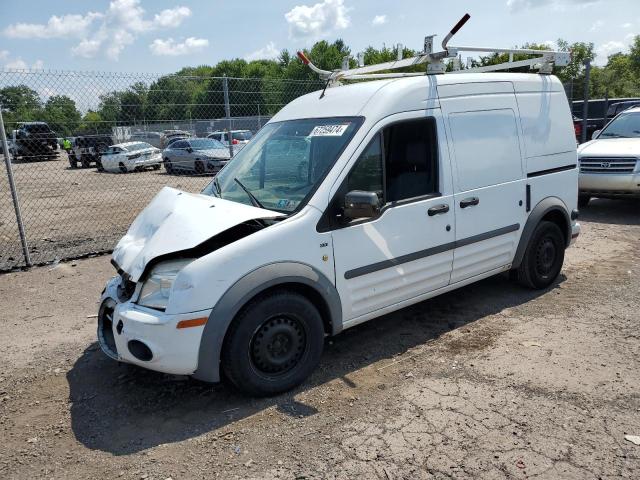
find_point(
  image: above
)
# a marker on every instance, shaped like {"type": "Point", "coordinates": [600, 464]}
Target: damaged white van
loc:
{"type": "Point", "coordinates": [349, 204]}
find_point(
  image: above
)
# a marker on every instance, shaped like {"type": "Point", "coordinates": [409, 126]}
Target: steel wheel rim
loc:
{"type": "Point", "coordinates": [278, 345]}
{"type": "Point", "coordinates": [546, 254]}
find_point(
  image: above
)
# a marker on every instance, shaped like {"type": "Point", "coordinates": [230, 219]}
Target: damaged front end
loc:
{"type": "Point", "coordinates": [175, 229]}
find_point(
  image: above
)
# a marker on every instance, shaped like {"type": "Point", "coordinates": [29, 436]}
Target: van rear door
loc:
{"type": "Point", "coordinates": [488, 176]}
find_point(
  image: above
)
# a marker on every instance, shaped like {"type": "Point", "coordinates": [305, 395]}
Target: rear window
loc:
{"type": "Point", "coordinates": [37, 128]}
{"type": "Point", "coordinates": [137, 146]}
{"type": "Point", "coordinates": [242, 135]}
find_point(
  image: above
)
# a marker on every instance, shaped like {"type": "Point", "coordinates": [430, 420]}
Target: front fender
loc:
{"type": "Point", "coordinates": [247, 288]}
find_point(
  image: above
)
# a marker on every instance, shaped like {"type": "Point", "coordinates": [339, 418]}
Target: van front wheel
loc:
{"type": "Point", "coordinates": [543, 258]}
{"type": "Point", "coordinates": [273, 344]}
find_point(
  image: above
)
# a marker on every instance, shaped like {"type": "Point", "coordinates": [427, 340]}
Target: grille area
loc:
{"type": "Point", "coordinates": [607, 165]}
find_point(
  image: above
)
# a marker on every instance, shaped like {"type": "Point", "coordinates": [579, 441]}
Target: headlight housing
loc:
{"type": "Point", "coordinates": [157, 287]}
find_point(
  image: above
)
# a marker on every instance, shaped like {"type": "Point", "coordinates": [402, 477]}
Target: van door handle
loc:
{"type": "Point", "coordinates": [469, 202]}
{"type": "Point", "coordinates": [438, 209]}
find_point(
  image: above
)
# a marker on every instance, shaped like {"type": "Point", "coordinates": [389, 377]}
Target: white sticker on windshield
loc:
{"type": "Point", "coordinates": [329, 130]}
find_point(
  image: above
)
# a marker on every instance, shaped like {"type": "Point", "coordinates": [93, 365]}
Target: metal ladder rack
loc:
{"type": "Point", "coordinates": [543, 61]}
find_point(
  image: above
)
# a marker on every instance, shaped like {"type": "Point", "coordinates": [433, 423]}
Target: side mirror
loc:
{"type": "Point", "coordinates": [359, 204]}
{"type": "Point", "coordinates": [189, 149]}
{"type": "Point", "coordinates": [595, 134]}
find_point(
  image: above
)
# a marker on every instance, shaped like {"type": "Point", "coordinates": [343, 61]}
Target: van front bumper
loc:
{"type": "Point", "coordinates": [149, 338]}
{"type": "Point", "coordinates": [609, 184]}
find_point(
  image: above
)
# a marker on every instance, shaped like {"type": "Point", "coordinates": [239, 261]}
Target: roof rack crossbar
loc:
{"type": "Point", "coordinates": [544, 61]}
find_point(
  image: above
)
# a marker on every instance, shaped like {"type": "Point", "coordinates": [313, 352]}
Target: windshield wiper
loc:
{"type": "Point", "coordinates": [216, 184]}
{"type": "Point", "coordinates": [254, 200]}
{"type": "Point", "coordinates": [614, 135]}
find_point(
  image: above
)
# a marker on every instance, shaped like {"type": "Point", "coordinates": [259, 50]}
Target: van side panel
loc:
{"type": "Point", "coordinates": [547, 130]}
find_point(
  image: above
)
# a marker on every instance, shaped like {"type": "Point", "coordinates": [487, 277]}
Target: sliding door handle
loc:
{"type": "Point", "coordinates": [469, 202]}
{"type": "Point", "coordinates": [438, 209]}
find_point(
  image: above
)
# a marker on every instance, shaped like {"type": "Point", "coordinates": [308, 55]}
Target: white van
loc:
{"type": "Point", "coordinates": [344, 207]}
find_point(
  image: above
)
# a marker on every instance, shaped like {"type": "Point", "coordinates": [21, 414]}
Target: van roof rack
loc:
{"type": "Point", "coordinates": [543, 61]}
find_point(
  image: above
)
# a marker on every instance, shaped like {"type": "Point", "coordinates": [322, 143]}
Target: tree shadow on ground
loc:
{"type": "Point", "coordinates": [124, 409]}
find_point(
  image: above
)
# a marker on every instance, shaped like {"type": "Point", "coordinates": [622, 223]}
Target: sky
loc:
{"type": "Point", "coordinates": [163, 36]}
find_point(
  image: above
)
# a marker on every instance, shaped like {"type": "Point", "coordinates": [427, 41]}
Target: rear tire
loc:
{"type": "Point", "coordinates": [273, 344]}
{"type": "Point", "coordinates": [168, 166]}
{"type": "Point", "coordinates": [583, 201]}
{"type": "Point", "coordinates": [122, 168]}
{"type": "Point", "coordinates": [543, 258]}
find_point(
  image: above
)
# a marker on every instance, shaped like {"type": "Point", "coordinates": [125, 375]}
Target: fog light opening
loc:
{"type": "Point", "coordinates": [105, 329]}
{"type": "Point", "coordinates": [140, 350]}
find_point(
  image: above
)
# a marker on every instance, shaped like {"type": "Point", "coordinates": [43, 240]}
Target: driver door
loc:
{"type": "Point", "coordinates": [405, 251]}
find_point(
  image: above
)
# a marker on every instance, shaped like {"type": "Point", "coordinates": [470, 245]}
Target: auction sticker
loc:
{"type": "Point", "coordinates": [329, 130]}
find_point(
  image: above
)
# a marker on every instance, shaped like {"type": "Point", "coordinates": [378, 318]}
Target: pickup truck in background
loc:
{"type": "Point", "coordinates": [35, 141]}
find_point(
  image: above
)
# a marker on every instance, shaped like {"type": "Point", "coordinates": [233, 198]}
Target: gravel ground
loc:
{"type": "Point", "coordinates": [72, 212]}
{"type": "Point", "coordinates": [490, 381]}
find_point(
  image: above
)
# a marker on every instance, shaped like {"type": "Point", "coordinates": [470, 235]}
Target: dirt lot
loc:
{"type": "Point", "coordinates": [490, 381]}
{"type": "Point", "coordinates": [71, 212]}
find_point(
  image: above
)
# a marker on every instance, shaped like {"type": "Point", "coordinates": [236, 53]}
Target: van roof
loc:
{"type": "Point", "coordinates": [402, 94]}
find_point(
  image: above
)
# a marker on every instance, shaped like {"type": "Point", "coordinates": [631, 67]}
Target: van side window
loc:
{"type": "Point", "coordinates": [367, 173]}
{"type": "Point", "coordinates": [411, 159]}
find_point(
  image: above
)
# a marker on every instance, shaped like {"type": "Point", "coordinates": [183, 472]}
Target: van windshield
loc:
{"type": "Point", "coordinates": [284, 163]}
{"type": "Point", "coordinates": [626, 125]}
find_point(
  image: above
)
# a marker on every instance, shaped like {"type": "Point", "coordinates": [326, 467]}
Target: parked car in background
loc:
{"type": "Point", "coordinates": [35, 141]}
{"type": "Point", "coordinates": [174, 139]}
{"type": "Point", "coordinates": [131, 156]}
{"type": "Point", "coordinates": [610, 163]}
{"type": "Point", "coordinates": [597, 115]}
{"type": "Point", "coordinates": [152, 138]}
{"type": "Point", "coordinates": [167, 135]}
{"type": "Point", "coordinates": [11, 145]}
{"type": "Point", "coordinates": [199, 155]}
{"type": "Point", "coordinates": [238, 137]}
{"type": "Point", "coordinates": [87, 149]}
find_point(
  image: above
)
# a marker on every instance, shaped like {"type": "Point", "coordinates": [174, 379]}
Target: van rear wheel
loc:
{"type": "Point", "coordinates": [273, 344]}
{"type": "Point", "coordinates": [543, 258]}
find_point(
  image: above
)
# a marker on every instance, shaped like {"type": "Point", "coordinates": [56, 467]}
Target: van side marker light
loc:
{"type": "Point", "coordinates": [194, 322]}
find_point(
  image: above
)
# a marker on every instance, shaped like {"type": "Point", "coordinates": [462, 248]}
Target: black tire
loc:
{"type": "Point", "coordinates": [273, 344]}
{"type": "Point", "coordinates": [168, 166]}
{"type": "Point", "coordinates": [583, 201]}
{"type": "Point", "coordinates": [85, 161]}
{"type": "Point", "coordinates": [543, 258]}
{"type": "Point", "coordinates": [199, 167]}
{"type": "Point", "coordinates": [73, 163]}
{"type": "Point", "coordinates": [122, 168]}
{"type": "Point", "coordinates": [99, 165]}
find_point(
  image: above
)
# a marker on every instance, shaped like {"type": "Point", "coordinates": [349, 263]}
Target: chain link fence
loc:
{"type": "Point", "coordinates": [58, 123]}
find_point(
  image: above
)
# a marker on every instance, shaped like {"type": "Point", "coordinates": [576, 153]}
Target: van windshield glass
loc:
{"type": "Point", "coordinates": [627, 125]}
{"type": "Point", "coordinates": [284, 162]}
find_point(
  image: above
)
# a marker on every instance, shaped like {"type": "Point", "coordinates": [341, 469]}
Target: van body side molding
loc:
{"type": "Point", "coordinates": [392, 262]}
{"type": "Point", "coordinates": [551, 170]}
{"type": "Point", "coordinates": [245, 289]}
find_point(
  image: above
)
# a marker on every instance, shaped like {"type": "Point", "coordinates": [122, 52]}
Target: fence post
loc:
{"type": "Point", "coordinates": [585, 105]}
{"type": "Point", "coordinates": [227, 111]}
{"type": "Point", "coordinates": [14, 192]}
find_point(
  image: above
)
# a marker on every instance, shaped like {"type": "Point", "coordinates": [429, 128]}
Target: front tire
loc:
{"type": "Point", "coordinates": [543, 258]}
{"type": "Point", "coordinates": [168, 166]}
{"type": "Point", "coordinates": [273, 344]}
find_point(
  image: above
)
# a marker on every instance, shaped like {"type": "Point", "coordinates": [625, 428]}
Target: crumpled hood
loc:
{"type": "Point", "coordinates": [176, 220]}
{"type": "Point", "coordinates": [611, 147]}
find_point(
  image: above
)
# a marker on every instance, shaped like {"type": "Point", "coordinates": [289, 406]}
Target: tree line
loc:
{"type": "Point", "coordinates": [262, 87]}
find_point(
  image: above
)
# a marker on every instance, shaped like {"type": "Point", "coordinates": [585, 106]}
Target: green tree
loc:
{"type": "Point", "coordinates": [61, 114]}
{"type": "Point", "coordinates": [19, 103]}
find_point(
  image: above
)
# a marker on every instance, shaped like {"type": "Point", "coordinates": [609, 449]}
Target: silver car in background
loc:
{"type": "Point", "coordinates": [199, 155]}
{"type": "Point", "coordinates": [610, 163]}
